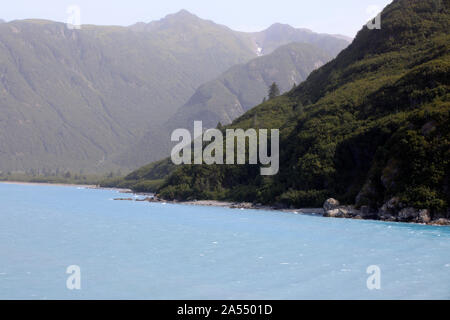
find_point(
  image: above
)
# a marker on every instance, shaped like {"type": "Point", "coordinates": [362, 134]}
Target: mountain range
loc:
{"type": "Point", "coordinates": [79, 99]}
{"type": "Point", "coordinates": [370, 128]}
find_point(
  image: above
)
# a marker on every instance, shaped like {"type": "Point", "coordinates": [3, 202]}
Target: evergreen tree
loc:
{"type": "Point", "coordinates": [274, 91]}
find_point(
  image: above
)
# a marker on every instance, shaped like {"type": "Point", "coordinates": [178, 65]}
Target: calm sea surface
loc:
{"type": "Point", "coordinates": [140, 250]}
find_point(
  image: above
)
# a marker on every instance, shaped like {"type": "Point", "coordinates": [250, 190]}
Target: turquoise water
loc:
{"type": "Point", "coordinates": [137, 250]}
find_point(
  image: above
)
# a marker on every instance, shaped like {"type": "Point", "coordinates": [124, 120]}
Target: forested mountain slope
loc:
{"type": "Point", "coordinates": [370, 126]}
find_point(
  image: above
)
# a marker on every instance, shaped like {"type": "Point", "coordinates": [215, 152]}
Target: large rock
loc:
{"type": "Point", "coordinates": [333, 209]}
{"type": "Point", "coordinates": [390, 206]}
{"type": "Point", "coordinates": [388, 211]}
{"type": "Point", "coordinates": [415, 215]}
{"type": "Point", "coordinates": [409, 214]}
{"type": "Point", "coordinates": [424, 216]}
{"type": "Point", "coordinates": [330, 204]}
{"type": "Point", "coordinates": [334, 213]}
{"type": "Point", "coordinates": [441, 222]}
{"type": "Point", "coordinates": [349, 212]}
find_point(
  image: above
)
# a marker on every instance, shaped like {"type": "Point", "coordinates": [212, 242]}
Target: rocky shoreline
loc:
{"type": "Point", "coordinates": [392, 211]}
{"type": "Point", "coordinates": [331, 208]}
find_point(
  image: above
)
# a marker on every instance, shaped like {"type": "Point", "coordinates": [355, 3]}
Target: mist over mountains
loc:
{"type": "Point", "coordinates": [79, 99]}
{"type": "Point", "coordinates": [230, 95]}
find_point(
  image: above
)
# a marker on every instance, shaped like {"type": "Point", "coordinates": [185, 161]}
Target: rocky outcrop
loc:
{"type": "Point", "coordinates": [333, 209]}
{"type": "Point", "coordinates": [389, 209]}
{"type": "Point", "coordinates": [424, 216]}
{"type": "Point", "coordinates": [441, 222]}
{"type": "Point", "coordinates": [330, 204]}
{"type": "Point", "coordinates": [242, 205]}
{"type": "Point", "coordinates": [414, 215]}
{"type": "Point", "coordinates": [392, 210]}
{"type": "Point", "coordinates": [152, 199]}
{"type": "Point", "coordinates": [408, 214]}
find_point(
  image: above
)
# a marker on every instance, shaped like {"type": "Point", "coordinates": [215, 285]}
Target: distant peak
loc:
{"type": "Point", "coordinates": [181, 14]}
{"type": "Point", "coordinates": [182, 17]}
{"type": "Point", "coordinates": [279, 27]}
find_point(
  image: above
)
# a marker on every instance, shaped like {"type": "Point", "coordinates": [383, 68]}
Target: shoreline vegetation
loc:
{"type": "Point", "coordinates": [66, 178]}
{"type": "Point", "coordinates": [331, 207]}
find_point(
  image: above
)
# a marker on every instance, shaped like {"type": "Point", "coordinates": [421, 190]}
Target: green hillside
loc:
{"type": "Point", "coordinates": [229, 96]}
{"type": "Point", "coordinates": [371, 125]}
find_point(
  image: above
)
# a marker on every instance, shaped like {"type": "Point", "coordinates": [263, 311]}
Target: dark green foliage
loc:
{"type": "Point", "coordinates": [146, 179]}
{"type": "Point", "coordinates": [147, 185]}
{"type": "Point", "coordinates": [304, 199]}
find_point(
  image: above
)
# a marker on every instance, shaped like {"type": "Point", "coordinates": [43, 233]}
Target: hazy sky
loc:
{"type": "Point", "coordinates": [329, 16]}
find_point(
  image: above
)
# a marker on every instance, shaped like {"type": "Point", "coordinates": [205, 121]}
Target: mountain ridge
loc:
{"type": "Point", "coordinates": [370, 128]}
{"type": "Point", "coordinates": [75, 99]}
{"type": "Point", "coordinates": [115, 77]}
